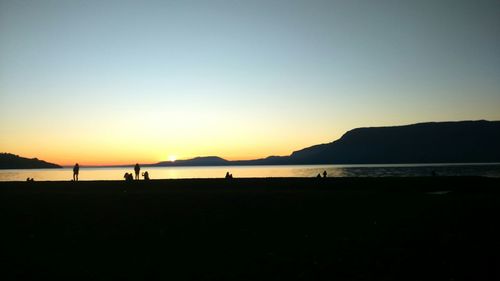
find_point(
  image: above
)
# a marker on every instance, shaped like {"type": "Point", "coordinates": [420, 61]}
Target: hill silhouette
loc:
{"type": "Point", "coordinates": [198, 161]}
{"type": "Point", "coordinates": [445, 142]}
{"type": "Point", "coordinates": [433, 142]}
{"type": "Point", "coordinates": [11, 161]}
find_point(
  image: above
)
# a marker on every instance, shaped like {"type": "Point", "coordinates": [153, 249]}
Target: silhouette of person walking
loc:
{"type": "Point", "coordinates": [76, 170]}
{"type": "Point", "coordinates": [137, 169]}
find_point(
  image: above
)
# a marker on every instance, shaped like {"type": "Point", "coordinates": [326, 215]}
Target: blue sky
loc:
{"type": "Point", "coordinates": [114, 81]}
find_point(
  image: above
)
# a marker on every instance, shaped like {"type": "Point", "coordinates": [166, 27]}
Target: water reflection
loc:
{"type": "Point", "coordinates": [489, 170]}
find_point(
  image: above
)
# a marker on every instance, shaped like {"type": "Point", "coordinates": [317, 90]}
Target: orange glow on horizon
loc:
{"type": "Point", "coordinates": [118, 158]}
{"type": "Point", "coordinates": [115, 148]}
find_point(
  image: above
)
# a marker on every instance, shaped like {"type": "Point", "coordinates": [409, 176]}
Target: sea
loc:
{"type": "Point", "coordinates": [379, 170]}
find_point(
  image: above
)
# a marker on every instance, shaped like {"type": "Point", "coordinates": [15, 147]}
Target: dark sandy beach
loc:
{"type": "Point", "coordinates": [252, 229]}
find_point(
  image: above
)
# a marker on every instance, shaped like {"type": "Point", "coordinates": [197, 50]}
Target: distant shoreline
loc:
{"type": "Point", "coordinates": [321, 164]}
{"type": "Point", "coordinates": [266, 165]}
{"type": "Point", "coordinates": [107, 173]}
{"type": "Point", "coordinates": [420, 143]}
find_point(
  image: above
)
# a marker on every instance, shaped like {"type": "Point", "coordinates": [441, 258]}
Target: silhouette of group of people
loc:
{"type": "Point", "coordinates": [324, 175]}
{"type": "Point", "coordinates": [137, 170]}
{"type": "Point", "coordinates": [30, 179]}
{"type": "Point", "coordinates": [127, 176]}
{"type": "Point", "coordinates": [145, 175]}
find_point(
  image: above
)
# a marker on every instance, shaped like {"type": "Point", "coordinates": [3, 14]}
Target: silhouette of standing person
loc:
{"type": "Point", "coordinates": [324, 174]}
{"type": "Point", "coordinates": [137, 169]}
{"type": "Point", "coordinates": [76, 170]}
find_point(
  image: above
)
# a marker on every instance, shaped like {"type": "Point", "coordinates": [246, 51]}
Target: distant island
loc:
{"type": "Point", "coordinates": [11, 161]}
{"type": "Point", "coordinates": [433, 142]}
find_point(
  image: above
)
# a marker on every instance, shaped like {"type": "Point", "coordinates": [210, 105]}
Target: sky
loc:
{"type": "Point", "coordinates": [117, 82]}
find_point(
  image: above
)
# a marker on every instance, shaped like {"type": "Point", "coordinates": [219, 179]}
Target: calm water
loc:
{"type": "Point", "coordinates": [487, 170]}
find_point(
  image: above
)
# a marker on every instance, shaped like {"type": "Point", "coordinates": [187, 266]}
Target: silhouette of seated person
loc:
{"type": "Point", "coordinates": [128, 177]}
{"type": "Point", "coordinates": [319, 175]}
{"type": "Point", "coordinates": [146, 175]}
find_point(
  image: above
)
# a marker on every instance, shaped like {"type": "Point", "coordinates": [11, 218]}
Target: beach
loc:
{"type": "Point", "coordinates": [401, 228]}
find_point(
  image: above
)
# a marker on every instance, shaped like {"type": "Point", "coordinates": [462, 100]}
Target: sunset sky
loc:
{"type": "Point", "coordinates": [115, 82]}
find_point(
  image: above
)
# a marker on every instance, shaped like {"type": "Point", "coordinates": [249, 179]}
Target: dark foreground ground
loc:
{"type": "Point", "coordinates": [252, 229]}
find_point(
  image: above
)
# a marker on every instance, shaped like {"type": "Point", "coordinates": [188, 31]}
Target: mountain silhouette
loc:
{"type": "Point", "coordinates": [445, 142]}
{"type": "Point", "coordinates": [11, 161]}
{"type": "Point", "coordinates": [433, 142]}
